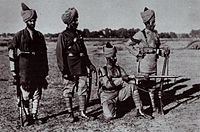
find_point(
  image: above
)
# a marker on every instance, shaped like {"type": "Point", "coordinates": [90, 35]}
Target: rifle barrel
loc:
{"type": "Point", "coordinates": [154, 76]}
{"type": "Point", "coordinates": [158, 76]}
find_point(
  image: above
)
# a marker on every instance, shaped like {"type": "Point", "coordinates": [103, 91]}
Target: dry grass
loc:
{"type": "Point", "coordinates": [181, 99]}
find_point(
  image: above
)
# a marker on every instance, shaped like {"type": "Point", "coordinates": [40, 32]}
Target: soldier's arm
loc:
{"type": "Point", "coordinates": [125, 76]}
{"type": "Point", "coordinates": [12, 49]}
{"type": "Point", "coordinates": [88, 62]}
{"type": "Point", "coordinates": [132, 44]}
{"type": "Point", "coordinates": [45, 58]}
{"type": "Point", "coordinates": [109, 83]}
{"type": "Point", "coordinates": [59, 53]}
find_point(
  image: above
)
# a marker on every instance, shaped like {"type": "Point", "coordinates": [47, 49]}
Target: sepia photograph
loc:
{"type": "Point", "coordinates": [100, 65]}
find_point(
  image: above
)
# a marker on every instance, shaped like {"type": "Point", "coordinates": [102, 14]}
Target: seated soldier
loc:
{"type": "Point", "coordinates": [115, 85]}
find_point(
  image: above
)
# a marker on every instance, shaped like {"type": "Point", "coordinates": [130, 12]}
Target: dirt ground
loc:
{"type": "Point", "coordinates": [181, 97]}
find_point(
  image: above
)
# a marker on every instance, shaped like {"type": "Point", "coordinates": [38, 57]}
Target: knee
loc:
{"type": "Point", "coordinates": [67, 94]}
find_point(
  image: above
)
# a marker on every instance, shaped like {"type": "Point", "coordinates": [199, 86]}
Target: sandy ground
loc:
{"type": "Point", "coordinates": [180, 98]}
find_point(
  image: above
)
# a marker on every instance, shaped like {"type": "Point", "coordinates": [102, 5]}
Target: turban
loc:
{"type": "Point", "coordinates": [147, 15]}
{"type": "Point", "coordinates": [109, 50]}
{"type": "Point", "coordinates": [69, 15]}
{"type": "Point", "coordinates": [27, 13]}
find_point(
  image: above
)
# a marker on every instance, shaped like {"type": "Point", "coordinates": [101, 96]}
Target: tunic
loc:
{"type": "Point", "coordinates": [71, 52]}
{"type": "Point", "coordinates": [148, 43]}
{"type": "Point", "coordinates": [32, 60]}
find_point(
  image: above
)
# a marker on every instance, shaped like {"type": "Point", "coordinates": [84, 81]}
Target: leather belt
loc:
{"type": "Point", "coordinates": [28, 52]}
{"type": "Point", "coordinates": [153, 52]}
{"type": "Point", "coordinates": [78, 54]}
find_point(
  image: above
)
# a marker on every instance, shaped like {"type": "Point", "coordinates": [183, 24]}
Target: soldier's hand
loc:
{"type": "Point", "coordinates": [102, 72]}
{"type": "Point", "coordinates": [13, 79]}
{"type": "Point", "coordinates": [132, 76]}
{"type": "Point", "coordinates": [92, 68]}
{"type": "Point", "coordinates": [65, 76]}
{"type": "Point", "coordinates": [146, 77]}
{"type": "Point", "coordinates": [125, 78]}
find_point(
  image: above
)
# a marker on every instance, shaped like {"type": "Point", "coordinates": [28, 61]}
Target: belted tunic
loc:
{"type": "Point", "coordinates": [72, 57]}
{"type": "Point", "coordinates": [32, 56]}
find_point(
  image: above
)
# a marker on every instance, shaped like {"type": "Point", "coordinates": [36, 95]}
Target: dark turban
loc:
{"type": "Point", "coordinates": [147, 15]}
{"type": "Point", "coordinates": [27, 13]}
{"type": "Point", "coordinates": [109, 50]}
{"type": "Point", "coordinates": [69, 15]}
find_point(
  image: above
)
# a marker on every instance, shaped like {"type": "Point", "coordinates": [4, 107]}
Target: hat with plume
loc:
{"type": "Point", "coordinates": [147, 15]}
{"type": "Point", "coordinates": [109, 50]}
{"type": "Point", "coordinates": [69, 15]}
{"type": "Point", "coordinates": [27, 13]}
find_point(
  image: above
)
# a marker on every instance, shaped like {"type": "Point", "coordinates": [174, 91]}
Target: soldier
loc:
{"type": "Point", "coordinates": [145, 46]}
{"type": "Point", "coordinates": [115, 85]}
{"type": "Point", "coordinates": [28, 61]}
{"type": "Point", "coordinates": [73, 61]}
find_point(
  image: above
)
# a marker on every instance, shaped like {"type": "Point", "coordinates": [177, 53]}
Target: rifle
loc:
{"type": "Point", "coordinates": [13, 57]}
{"type": "Point", "coordinates": [165, 66]}
{"type": "Point", "coordinates": [19, 101]}
{"type": "Point", "coordinates": [153, 76]}
{"type": "Point", "coordinates": [162, 77]}
{"type": "Point", "coordinates": [89, 84]}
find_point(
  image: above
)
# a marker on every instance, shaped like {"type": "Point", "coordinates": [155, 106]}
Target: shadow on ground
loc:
{"type": "Point", "coordinates": [93, 113]}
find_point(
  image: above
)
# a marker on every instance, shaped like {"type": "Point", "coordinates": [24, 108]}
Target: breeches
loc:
{"type": "Point", "coordinates": [34, 93]}
{"type": "Point", "coordinates": [109, 105]}
{"type": "Point", "coordinates": [72, 86]}
{"type": "Point", "coordinates": [147, 84]}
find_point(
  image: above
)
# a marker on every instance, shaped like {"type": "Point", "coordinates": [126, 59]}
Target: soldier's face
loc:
{"type": "Point", "coordinates": [111, 60]}
{"type": "Point", "coordinates": [74, 23]}
{"type": "Point", "coordinates": [152, 24]}
{"type": "Point", "coordinates": [31, 24]}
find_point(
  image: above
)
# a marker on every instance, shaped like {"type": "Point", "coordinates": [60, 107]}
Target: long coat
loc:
{"type": "Point", "coordinates": [32, 60]}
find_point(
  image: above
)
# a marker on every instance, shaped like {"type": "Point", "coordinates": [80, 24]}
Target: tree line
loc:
{"type": "Point", "coordinates": [119, 33]}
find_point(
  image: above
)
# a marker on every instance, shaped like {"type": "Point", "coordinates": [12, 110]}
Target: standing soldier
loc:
{"type": "Point", "coordinates": [145, 46]}
{"type": "Point", "coordinates": [28, 61]}
{"type": "Point", "coordinates": [73, 61]}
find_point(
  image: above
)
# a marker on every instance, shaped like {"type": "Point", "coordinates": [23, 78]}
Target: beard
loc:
{"type": "Point", "coordinates": [31, 26]}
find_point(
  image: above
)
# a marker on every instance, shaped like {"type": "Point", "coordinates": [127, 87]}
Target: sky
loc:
{"type": "Point", "coordinates": [179, 16]}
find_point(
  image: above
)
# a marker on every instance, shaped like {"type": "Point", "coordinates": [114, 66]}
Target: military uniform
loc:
{"type": "Point", "coordinates": [145, 46]}
{"type": "Point", "coordinates": [28, 62]}
{"type": "Point", "coordinates": [115, 85]}
{"type": "Point", "coordinates": [32, 65]}
{"type": "Point", "coordinates": [73, 61]}
{"type": "Point", "coordinates": [147, 50]}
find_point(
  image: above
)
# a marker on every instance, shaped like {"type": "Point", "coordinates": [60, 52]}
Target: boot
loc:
{"type": "Point", "coordinates": [28, 121]}
{"type": "Point", "coordinates": [138, 104]}
{"type": "Point", "coordinates": [83, 115]}
{"type": "Point", "coordinates": [82, 104]}
{"type": "Point", "coordinates": [141, 114]}
{"type": "Point", "coordinates": [70, 117]}
{"type": "Point", "coordinates": [35, 119]}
